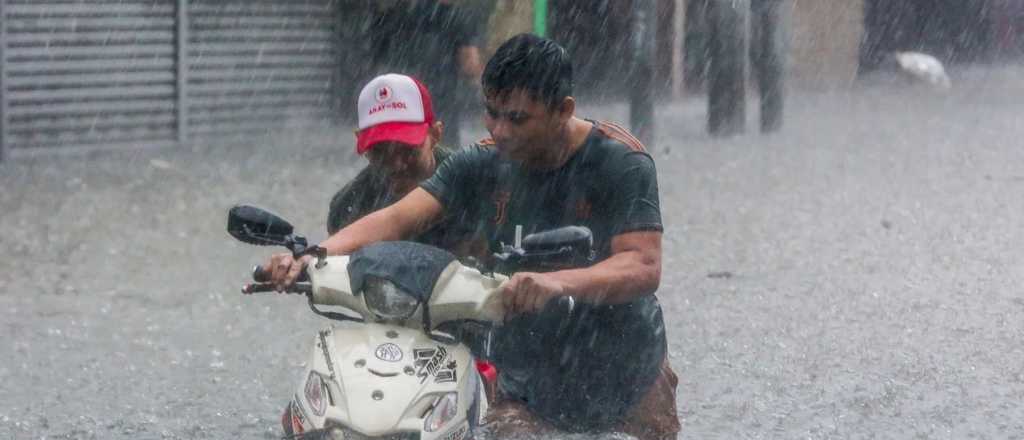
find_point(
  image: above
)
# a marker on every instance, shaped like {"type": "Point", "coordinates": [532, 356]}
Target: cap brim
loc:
{"type": "Point", "coordinates": [410, 133]}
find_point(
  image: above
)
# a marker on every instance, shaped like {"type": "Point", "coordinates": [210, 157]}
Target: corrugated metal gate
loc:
{"type": "Point", "coordinates": [256, 62]}
{"type": "Point", "coordinates": [81, 73]}
{"type": "Point", "coordinates": [84, 73]}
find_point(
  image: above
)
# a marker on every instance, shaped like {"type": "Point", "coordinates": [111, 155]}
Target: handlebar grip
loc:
{"type": "Point", "coordinates": [261, 275]}
{"type": "Point", "coordinates": [249, 289]}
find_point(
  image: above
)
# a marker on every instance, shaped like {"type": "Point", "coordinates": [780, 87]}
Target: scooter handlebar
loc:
{"type": "Point", "coordinates": [262, 283]}
{"type": "Point", "coordinates": [261, 275]}
{"type": "Point", "coordinates": [249, 289]}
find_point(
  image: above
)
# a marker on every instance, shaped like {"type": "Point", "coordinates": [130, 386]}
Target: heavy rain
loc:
{"type": "Point", "coordinates": [845, 270]}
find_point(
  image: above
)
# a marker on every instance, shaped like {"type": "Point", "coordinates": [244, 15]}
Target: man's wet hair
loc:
{"type": "Point", "coordinates": [537, 65]}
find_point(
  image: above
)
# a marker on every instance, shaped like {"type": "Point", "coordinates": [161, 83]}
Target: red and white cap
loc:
{"type": "Point", "coordinates": [394, 108]}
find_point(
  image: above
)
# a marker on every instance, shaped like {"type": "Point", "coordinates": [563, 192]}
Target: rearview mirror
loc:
{"type": "Point", "coordinates": [557, 249]}
{"type": "Point", "coordinates": [257, 226]}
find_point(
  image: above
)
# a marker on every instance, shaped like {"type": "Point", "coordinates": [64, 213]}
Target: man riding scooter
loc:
{"type": "Point", "coordinates": [403, 146]}
{"type": "Point", "coordinates": [604, 369]}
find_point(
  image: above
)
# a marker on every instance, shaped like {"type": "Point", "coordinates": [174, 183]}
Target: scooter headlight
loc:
{"type": "Point", "coordinates": [444, 411]}
{"type": "Point", "coordinates": [388, 301]}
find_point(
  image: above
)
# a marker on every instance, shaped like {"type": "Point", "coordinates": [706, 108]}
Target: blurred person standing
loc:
{"type": "Point", "coordinates": [437, 41]}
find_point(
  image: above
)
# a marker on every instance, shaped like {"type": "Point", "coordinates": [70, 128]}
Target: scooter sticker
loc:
{"type": "Point", "coordinates": [431, 362]}
{"type": "Point", "coordinates": [446, 374]}
{"type": "Point", "coordinates": [457, 434]}
{"type": "Point", "coordinates": [389, 352]}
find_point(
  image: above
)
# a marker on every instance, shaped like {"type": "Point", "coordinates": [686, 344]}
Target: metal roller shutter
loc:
{"type": "Point", "coordinates": [80, 72]}
{"type": "Point", "coordinates": [257, 64]}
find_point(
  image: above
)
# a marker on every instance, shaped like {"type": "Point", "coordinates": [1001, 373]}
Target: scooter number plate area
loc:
{"type": "Point", "coordinates": [456, 434]}
{"type": "Point", "coordinates": [352, 435]}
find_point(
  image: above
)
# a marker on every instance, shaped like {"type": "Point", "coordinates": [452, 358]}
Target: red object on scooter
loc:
{"type": "Point", "coordinates": [490, 375]}
{"type": "Point", "coordinates": [487, 370]}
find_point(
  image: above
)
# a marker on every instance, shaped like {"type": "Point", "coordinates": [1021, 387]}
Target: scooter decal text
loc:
{"type": "Point", "coordinates": [431, 362]}
{"type": "Point", "coordinates": [446, 374]}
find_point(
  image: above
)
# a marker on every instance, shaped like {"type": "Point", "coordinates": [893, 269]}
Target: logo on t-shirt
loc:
{"type": "Point", "coordinates": [501, 199]}
{"type": "Point", "coordinates": [583, 209]}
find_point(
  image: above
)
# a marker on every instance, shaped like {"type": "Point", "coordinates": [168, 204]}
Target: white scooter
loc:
{"type": "Point", "coordinates": [403, 369]}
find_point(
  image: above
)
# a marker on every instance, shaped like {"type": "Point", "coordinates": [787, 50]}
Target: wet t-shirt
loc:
{"type": "Point", "coordinates": [370, 192]}
{"type": "Point", "coordinates": [581, 373]}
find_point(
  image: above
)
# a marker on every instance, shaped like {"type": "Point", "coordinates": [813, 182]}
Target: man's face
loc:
{"type": "Point", "coordinates": [396, 160]}
{"type": "Point", "coordinates": [522, 127]}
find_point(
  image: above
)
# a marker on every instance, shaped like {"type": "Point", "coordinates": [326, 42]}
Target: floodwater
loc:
{"type": "Point", "coordinates": [855, 276]}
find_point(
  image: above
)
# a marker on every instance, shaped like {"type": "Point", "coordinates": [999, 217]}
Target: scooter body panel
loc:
{"type": "Point", "coordinates": [381, 379]}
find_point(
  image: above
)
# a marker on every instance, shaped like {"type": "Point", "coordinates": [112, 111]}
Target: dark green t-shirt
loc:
{"type": "Point", "coordinates": [369, 192]}
{"type": "Point", "coordinates": [588, 374]}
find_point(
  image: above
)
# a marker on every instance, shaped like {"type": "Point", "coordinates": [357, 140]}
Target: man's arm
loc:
{"type": "Point", "coordinates": [634, 267]}
{"type": "Point", "coordinates": [470, 66]}
{"type": "Point", "coordinates": [464, 29]}
{"type": "Point", "coordinates": [411, 215]}
{"type": "Point", "coordinates": [632, 271]}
